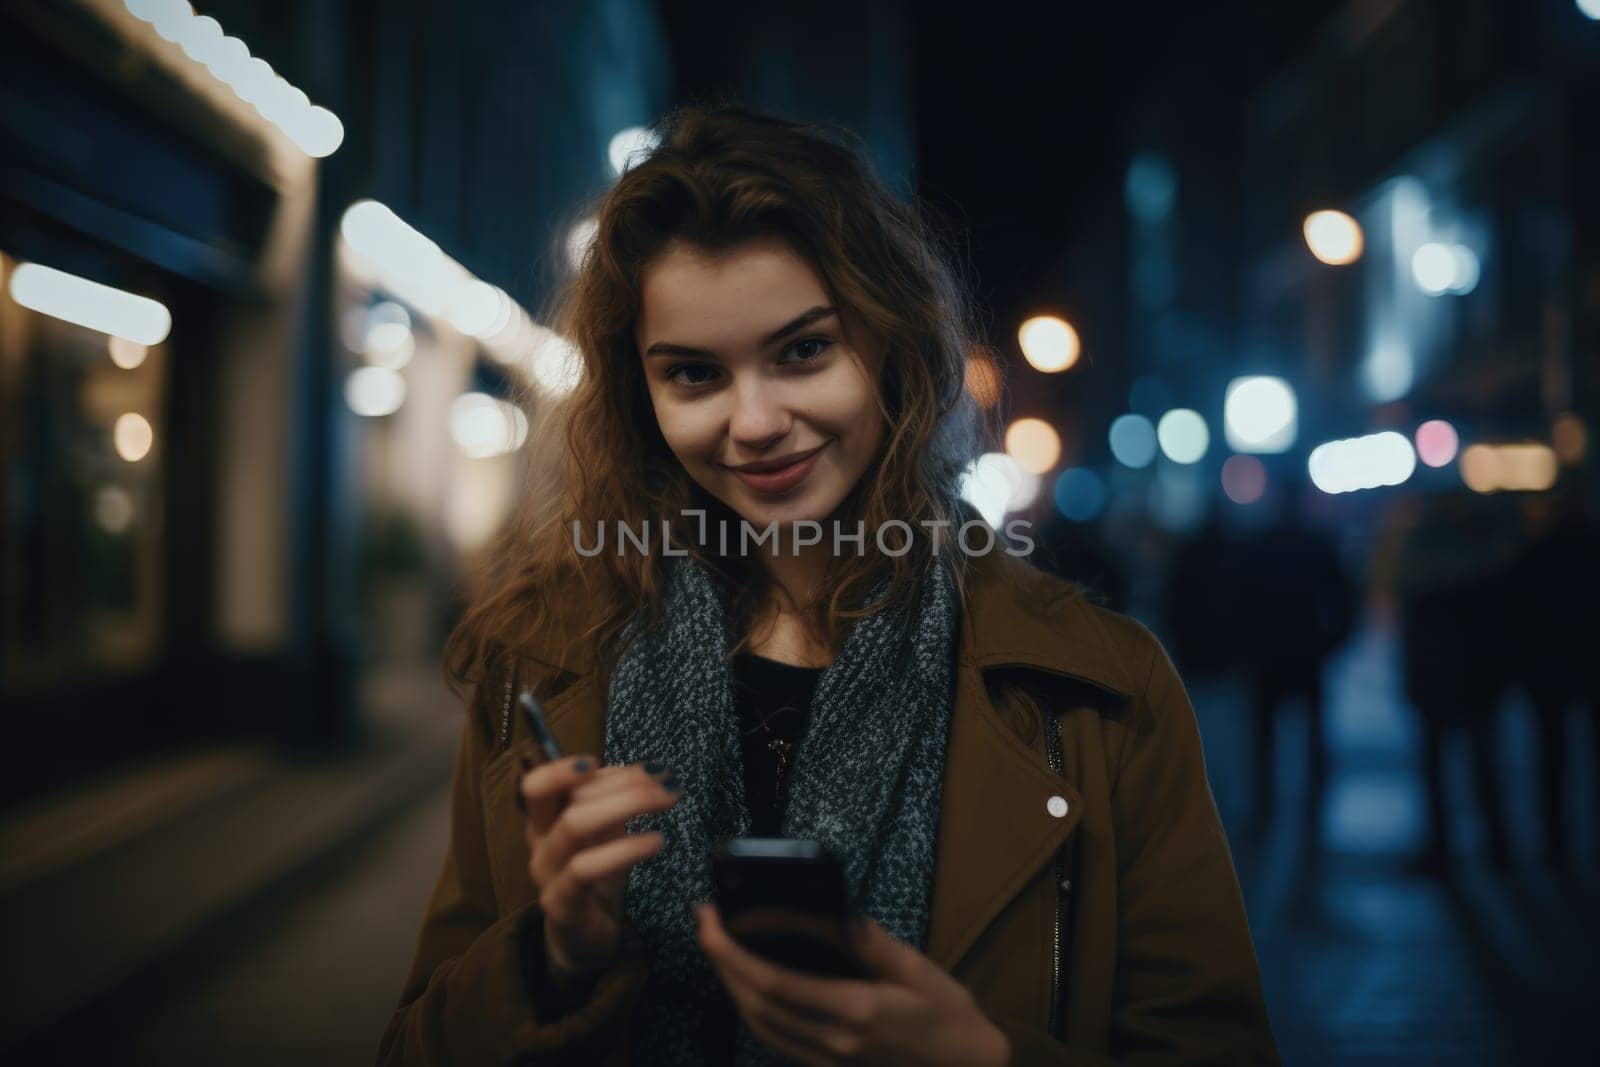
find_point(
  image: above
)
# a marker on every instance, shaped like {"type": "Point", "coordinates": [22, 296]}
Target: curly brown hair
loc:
{"type": "Point", "coordinates": [722, 176]}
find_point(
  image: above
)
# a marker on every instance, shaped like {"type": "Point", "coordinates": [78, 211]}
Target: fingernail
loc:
{"type": "Point", "coordinates": [653, 767]}
{"type": "Point", "coordinates": [581, 765]}
{"type": "Point", "coordinates": [671, 784]}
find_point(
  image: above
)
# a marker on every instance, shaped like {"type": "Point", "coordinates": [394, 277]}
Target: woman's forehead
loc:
{"type": "Point", "coordinates": [726, 299]}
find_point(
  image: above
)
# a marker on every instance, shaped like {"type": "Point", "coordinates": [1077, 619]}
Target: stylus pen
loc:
{"type": "Point", "coordinates": [541, 726]}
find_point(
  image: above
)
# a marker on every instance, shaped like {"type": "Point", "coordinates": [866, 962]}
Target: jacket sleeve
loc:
{"type": "Point", "coordinates": [1188, 986]}
{"type": "Point", "coordinates": [469, 995]}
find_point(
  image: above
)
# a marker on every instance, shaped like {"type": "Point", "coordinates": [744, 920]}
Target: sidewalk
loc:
{"type": "Point", "coordinates": [1366, 959]}
{"type": "Point", "coordinates": [107, 885]}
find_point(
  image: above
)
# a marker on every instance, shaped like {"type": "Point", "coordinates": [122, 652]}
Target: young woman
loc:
{"type": "Point", "coordinates": [1010, 776]}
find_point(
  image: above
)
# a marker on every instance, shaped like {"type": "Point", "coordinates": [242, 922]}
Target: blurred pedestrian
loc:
{"type": "Point", "coordinates": [1203, 593]}
{"type": "Point", "coordinates": [1452, 583]}
{"type": "Point", "coordinates": [1296, 607]}
{"type": "Point", "coordinates": [1555, 585]}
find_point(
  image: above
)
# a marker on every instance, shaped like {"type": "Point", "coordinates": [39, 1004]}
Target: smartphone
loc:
{"type": "Point", "coordinates": [540, 726]}
{"type": "Point", "coordinates": [785, 899]}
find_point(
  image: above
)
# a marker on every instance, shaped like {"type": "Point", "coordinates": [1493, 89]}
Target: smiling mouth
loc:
{"type": "Point", "coordinates": [782, 479]}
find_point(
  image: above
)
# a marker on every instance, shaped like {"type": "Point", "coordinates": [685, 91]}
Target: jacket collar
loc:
{"type": "Point", "coordinates": [1017, 615]}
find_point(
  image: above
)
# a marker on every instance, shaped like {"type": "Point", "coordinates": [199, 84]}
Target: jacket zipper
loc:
{"type": "Point", "coordinates": [505, 717]}
{"type": "Point", "coordinates": [1062, 886]}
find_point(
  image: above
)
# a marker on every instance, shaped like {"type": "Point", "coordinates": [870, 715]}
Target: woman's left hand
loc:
{"type": "Point", "coordinates": [911, 1012]}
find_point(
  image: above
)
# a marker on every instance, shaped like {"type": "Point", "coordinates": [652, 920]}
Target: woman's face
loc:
{"type": "Point", "coordinates": [756, 388]}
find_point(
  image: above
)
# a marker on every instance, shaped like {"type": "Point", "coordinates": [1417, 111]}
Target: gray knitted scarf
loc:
{"type": "Point", "coordinates": [866, 781]}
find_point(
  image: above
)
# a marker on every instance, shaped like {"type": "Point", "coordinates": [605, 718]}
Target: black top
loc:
{"type": "Point", "coordinates": [773, 703]}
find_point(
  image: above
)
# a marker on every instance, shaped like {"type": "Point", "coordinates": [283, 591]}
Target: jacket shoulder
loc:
{"type": "Point", "coordinates": [1025, 616]}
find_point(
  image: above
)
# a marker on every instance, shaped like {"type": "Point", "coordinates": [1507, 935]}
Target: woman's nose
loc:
{"type": "Point", "coordinates": [759, 418]}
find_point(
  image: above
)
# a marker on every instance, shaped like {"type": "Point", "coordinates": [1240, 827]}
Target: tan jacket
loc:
{"type": "Point", "coordinates": [1076, 818]}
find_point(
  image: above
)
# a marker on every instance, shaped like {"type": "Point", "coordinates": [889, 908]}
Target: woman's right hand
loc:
{"type": "Point", "coordinates": [581, 852]}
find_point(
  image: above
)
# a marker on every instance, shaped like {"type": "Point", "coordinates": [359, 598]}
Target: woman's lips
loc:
{"type": "Point", "coordinates": [784, 478]}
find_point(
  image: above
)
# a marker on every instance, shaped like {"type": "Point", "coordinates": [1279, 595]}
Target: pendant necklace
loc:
{"type": "Point", "coordinates": [780, 747]}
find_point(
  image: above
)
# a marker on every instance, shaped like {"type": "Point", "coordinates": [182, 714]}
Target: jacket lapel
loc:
{"type": "Point", "coordinates": [996, 826]}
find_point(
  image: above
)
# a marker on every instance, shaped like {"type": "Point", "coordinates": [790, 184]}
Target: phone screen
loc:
{"type": "Point", "coordinates": [785, 899]}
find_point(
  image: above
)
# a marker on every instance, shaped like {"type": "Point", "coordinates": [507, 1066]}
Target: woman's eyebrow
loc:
{"type": "Point", "coordinates": [795, 325]}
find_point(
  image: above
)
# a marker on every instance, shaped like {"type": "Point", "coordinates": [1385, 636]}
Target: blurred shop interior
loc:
{"type": "Point", "coordinates": [1292, 316]}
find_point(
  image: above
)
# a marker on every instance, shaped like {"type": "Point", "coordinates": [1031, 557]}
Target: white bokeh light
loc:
{"type": "Point", "coordinates": [1369, 462]}
{"type": "Point", "coordinates": [1183, 435]}
{"type": "Point", "coordinates": [628, 146]}
{"type": "Point", "coordinates": [1260, 414]}
{"type": "Point", "coordinates": [1048, 343]}
{"type": "Point", "coordinates": [89, 304]}
{"type": "Point", "coordinates": [1433, 268]}
{"type": "Point", "coordinates": [374, 391]}
{"type": "Point", "coordinates": [483, 426]}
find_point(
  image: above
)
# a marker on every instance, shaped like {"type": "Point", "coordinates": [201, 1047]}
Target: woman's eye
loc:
{"type": "Point", "coordinates": [675, 374]}
{"type": "Point", "coordinates": [809, 349]}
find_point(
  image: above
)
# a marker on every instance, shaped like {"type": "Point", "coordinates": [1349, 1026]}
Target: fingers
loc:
{"type": "Point", "coordinates": [757, 989]}
{"type": "Point", "coordinates": [612, 778]}
{"type": "Point", "coordinates": [593, 866]}
{"type": "Point", "coordinates": [836, 1000]}
{"type": "Point", "coordinates": [544, 789]}
{"type": "Point", "coordinates": [592, 821]}
{"type": "Point", "coordinates": [599, 780]}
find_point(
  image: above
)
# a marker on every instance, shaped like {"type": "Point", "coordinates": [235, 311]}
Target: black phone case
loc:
{"type": "Point", "coordinates": [785, 900]}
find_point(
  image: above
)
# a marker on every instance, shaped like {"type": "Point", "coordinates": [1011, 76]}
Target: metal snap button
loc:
{"type": "Point", "coordinates": [1056, 806]}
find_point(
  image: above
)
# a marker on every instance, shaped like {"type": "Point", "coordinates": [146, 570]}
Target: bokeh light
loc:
{"type": "Point", "coordinates": [1048, 343]}
{"type": "Point", "coordinates": [388, 344]}
{"type": "Point", "coordinates": [1244, 479]}
{"type": "Point", "coordinates": [1480, 468]}
{"type": "Point", "coordinates": [1568, 435]}
{"type": "Point", "coordinates": [125, 353]}
{"type": "Point", "coordinates": [315, 130]}
{"type": "Point", "coordinates": [1528, 467]}
{"type": "Point", "coordinates": [1150, 188]}
{"type": "Point", "coordinates": [1260, 414]}
{"type": "Point", "coordinates": [1368, 462]}
{"type": "Point", "coordinates": [1437, 443]}
{"type": "Point", "coordinates": [132, 436]}
{"type": "Point", "coordinates": [1334, 237]}
{"type": "Point", "coordinates": [1389, 371]}
{"type": "Point", "coordinates": [1133, 441]}
{"type": "Point", "coordinates": [483, 426]}
{"type": "Point", "coordinates": [1034, 444]}
{"type": "Point", "coordinates": [1080, 494]}
{"type": "Point", "coordinates": [994, 484]}
{"type": "Point", "coordinates": [113, 509]}
{"type": "Point", "coordinates": [89, 304]}
{"type": "Point", "coordinates": [629, 146]}
{"type": "Point", "coordinates": [1440, 268]}
{"type": "Point", "coordinates": [477, 308]}
{"type": "Point", "coordinates": [1183, 435]}
{"type": "Point", "coordinates": [374, 391]}
{"type": "Point", "coordinates": [1433, 268]}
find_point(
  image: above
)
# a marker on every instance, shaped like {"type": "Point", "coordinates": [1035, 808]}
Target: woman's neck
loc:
{"type": "Point", "coordinates": [781, 631]}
